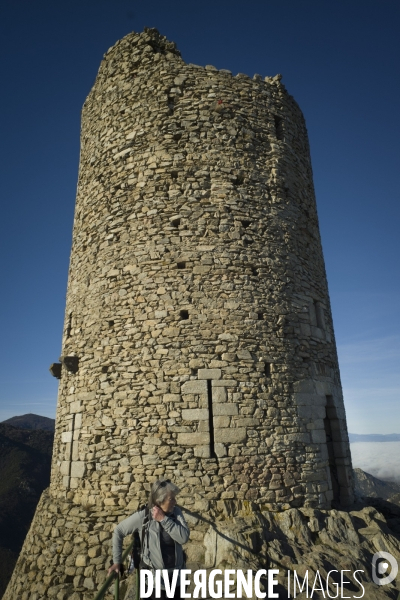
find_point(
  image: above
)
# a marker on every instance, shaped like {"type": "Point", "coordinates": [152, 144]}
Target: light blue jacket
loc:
{"type": "Point", "coordinates": [151, 549]}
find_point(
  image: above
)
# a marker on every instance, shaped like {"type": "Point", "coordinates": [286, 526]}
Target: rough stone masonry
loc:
{"type": "Point", "coordinates": [198, 341]}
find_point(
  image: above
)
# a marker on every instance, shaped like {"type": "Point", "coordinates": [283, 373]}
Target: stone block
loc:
{"type": "Point", "coordinates": [75, 407]}
{"type": "Point", "coordinates": [200, 269]}
{"type": "Point", "coordinates": [247, 422]}
{"type": "Point", "coordinates": [77, 468]}
{"type": "Point", "coordinates": [303, 399]}
{"type": "Point", "coordinates": [110, 501]}
{"type": "Point", "coordinates": [194, 387]}
{"type": "Point", "coordinates": [318, 436]}
{"type": "Point", "coordinates": [172, 398]}
{"type": "Point", "coordinates": [311, 412]}
{"type": "Point", "coordinates": [193, 439]}
{"type": "Point", "coordinates": [224, 383]}
{"type": "Point", "coordinates": [209, 373]}
{"type": "Point", "coordinates": [225, 409]}
{"type": "Point", "coordinates": [86, 396]}
{"type": "Point", "coordinates": [195, 414]}
{"type": "Point", "coordinates": [94, 551]}
{"type": "Point", "coordinates": [171, 332]}
{"type": "Point", "coordinates": [324, 388]}
{"type": "Point", "coordinates": [230, 435]}
{"type": "Point", "coordinates": [75, 451]}
{"type": "Point", "coordinates": [152, 441]}
{"type": "Point", "coordinates": [219, 394]}
{"type": "Point", "coordinates": [81, 560]}
{"type": "Point", "coordinates": [66, 437]}
{"type": "Point", "coordinates": [244, 355]}
{"type": "Point", "coordinates": [64, 468]}
{"type": "Point", "coordinates": [107, 421]}
{"type": "Point", "coordinates": [228, 337]}
{"type": "Point", "coordinates": [318, 333]}
{"type": "Point", "coordinates": [88, 583]}
{"type": "Point", "coordinates": [229, 356]}
{"type": "Point", "coordinates": [297, 437]}
{"type": "Point", "coordinates": [202, 451]}
{"type": "Point", "coordinates": [220, 450]}
{"type": "Point", "coordinates": [151, 459]}
{"type": "Point", "coordinates": [305, 386]}
{"type": "Point", "coordinates": [223, 421]}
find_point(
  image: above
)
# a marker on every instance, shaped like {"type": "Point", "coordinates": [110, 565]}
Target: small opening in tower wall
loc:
{"type": "Point", "coordinates": [111, 323]}
{"type": "Point", "coordinates": [175, 223]}
{"type": "Point", "coordinates": [254, 271]}
{"type": "Point", "coordinates": [239, 179]}
{"type": "Point", "coordinates": [184, 315]}
{"type": "Point", "coordinates": [267, 369]}
{"type": "Point", "coordinates": [260, 316]}
{"type": "Point", "coordinates": [279, 127]}
{"type": "Point", "coordinates": [246, 224]}
{"type": "Point", "coordinates": [181, 265]}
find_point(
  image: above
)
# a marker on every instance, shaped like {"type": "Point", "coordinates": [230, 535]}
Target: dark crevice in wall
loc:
{"type": "Point", "coordinates": [279, 128]}
{"type": "Point", "coordinates": [211, 418]}
{"type": "Point", "coordinates": [69, 326]}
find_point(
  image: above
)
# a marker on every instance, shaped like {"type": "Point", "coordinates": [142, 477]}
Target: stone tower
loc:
{"type": "Point", "coordinates": [198, 341]}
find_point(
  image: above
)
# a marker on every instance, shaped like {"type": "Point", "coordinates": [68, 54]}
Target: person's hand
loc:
{"type": "Point", "coordinates": [157, 513]}
{"type": "Point", "coordinates": [114, 569]}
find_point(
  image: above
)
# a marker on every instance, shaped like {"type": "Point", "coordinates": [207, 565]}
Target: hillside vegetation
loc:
{"type": "Point", "coordinates": [25, 456]}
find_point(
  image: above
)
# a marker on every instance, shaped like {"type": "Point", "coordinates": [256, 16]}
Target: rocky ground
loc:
{"type": "Point", "coordinates": [307, 541]}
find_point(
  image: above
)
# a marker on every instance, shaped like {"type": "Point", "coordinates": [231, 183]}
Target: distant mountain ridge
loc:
{"type": "Point", "coordinates": [32, 421]}
{"type": "Point", "coordinates": [368, 486]}
{"type": "Point", "coordinates": [374, 437]}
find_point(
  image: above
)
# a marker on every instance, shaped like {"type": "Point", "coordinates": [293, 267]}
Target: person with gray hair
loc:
{"type": "Point", "coordinates": [162, 529]}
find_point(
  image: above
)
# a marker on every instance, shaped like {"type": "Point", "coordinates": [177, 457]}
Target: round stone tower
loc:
{"type": "Point", "coordinates": [198, 340]}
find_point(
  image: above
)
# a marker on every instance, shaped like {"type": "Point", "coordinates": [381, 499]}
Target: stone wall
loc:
{"type": "Point", "coordinates": [198, 341]}
{"type": "Point", "coordinates": [197, 300]}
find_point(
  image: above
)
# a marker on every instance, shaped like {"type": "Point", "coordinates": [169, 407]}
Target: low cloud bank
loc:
{"type": "Point", "coordinates": [380, 459]}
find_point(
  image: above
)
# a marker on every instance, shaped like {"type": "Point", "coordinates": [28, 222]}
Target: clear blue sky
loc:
{"type": "Point", "coordinates": [339, 59]}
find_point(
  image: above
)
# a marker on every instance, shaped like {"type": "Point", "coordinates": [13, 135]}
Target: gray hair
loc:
{"type": "Point", "coordinates": [160, 490]}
